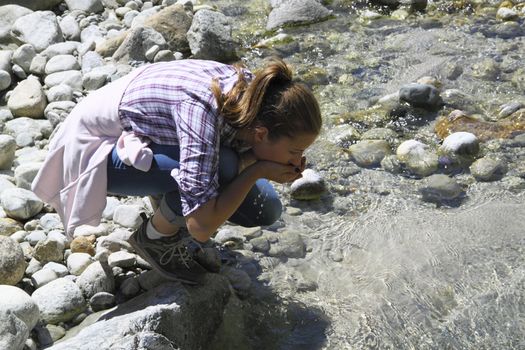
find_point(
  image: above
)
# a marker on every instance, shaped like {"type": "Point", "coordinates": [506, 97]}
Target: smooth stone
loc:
{"type": "Point", "coordinates": [97, 277]}
{"type": "Point", "coordinates": [130, 287]}
{"type": "Point", "coordinates": [439, 187]}
{"type": "Point", "coordinates": [70, 28]}
{"type": "Point", "coordinates": [18, 302]}
{"type": "Point", "coordinates": [78, 262]}
{"type": "Point", "coordinates": [51, 221]}
{"type": "Point", "coordinates": [56, 112]}
{"type": "Point", "coordinates": [33, 266]}
{"type": "Point", "coordinates": [88, 230]}
{"type": "Point", "coordinates": [5, 80]}
{"type": "Point", "coordinates": [122, 259]}
{"type": "Point", "coordinates": [421, 96]}
{"type": "Point", "coordinates": [369, 153]}
{"type": "Point", "coordinates": [296, 12]}
{"type": "Point", "coordinates": [89, 6]}
{"type": "Point", "coordinates": [289, 245]}
{"type": "Point", "coordinates": [311, 186]}
{"type": "Point", "coordinates": [65, 48]}
{"type": "Point", "coordinates": [38, 65]}
{"type": "Point", "coordinates": [128, 216]}
{"type": "Point", "coordinates": [12, 262]}
{"type": "Point", "coordinates": [25, 174]}
{"type": "Point", "coordinates": [39, 29]}
{"type": "Point", "coordinates": [59, 269]}
{"type": "Point", "coordinates": [60, 63]}
{"type": "Point", "coordinates": [20, 204]}
{"type": "Point", "coordinates": [73, 78]}
{"type": "Point", "coordinates": [464, 143]}
{"type": "Point", "coordinates": [28, 99]}
{"type": "Point", "coordinates": [7, 151]}
{"type": "Point", "coordinates": [488, 169]}
{"type": "Point", "coordinates": [225, 234]}
{"type": "Point", "coordinates": [102, 301]}
{"type": "Point", "coordinates": [59, 301]}
{"type": "Point", "coordinates": [43, 277]}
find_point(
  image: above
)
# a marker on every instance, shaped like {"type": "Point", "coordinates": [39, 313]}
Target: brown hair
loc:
{"type": "Point", "coordinates": [273, 100]}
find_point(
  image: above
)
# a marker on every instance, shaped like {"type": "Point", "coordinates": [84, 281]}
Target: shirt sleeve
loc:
{"type": "Point", "coordinates": [198, 134]}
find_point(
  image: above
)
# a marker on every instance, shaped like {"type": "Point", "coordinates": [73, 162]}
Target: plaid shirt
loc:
{"type": "Point", "coordinates": [172, 103]}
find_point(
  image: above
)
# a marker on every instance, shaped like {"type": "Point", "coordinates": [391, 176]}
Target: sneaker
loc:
{"type": "Point", "coordinates": [177, 257]}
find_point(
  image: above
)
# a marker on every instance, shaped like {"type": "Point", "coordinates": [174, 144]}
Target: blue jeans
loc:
{"type": "Point", "coordinates": [261, 206]}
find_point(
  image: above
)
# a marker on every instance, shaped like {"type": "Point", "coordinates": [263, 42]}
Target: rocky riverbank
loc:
{"type": "Point", "coordinates": [404, 232]}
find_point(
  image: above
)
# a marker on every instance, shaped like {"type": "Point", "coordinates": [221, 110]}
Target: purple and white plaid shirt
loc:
{"type": "Point", "coordinates": [172, 103]}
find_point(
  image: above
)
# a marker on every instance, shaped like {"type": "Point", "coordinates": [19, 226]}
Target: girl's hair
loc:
{"type": "Point", "coordinates": [272, 100]}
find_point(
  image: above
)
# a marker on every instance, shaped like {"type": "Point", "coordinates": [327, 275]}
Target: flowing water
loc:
{"type": "Point", "coordinates": [384, 269]}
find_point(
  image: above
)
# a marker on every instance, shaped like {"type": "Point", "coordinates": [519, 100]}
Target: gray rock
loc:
{"type": "Point", "coordinates": [310, 186]}
{"type": "Point", "coordinates": [509, 108]}
{"type": "Point", "coordinates": [238, 278]}
{"type": "Point", "coordinates": [137, 43]}
{"type": "Point", "coordinates": [12, 263]}
{"type": "Point", "coordinates": [34, 5]}
{"type": "Point", "coordinates": [23, 56]}
{"type": "Point", "coordinates": [49, 334]}
{"type": "Point", "coordinates": [210, 36]}
{"type": "Point", "coordinates": [5, 60]}
{"type": "Point", "coordinates": [421, 96]}
{"type": "Point", "coordinates": [96, 278]}
{"type": "Point", "coordinates": [289, 245]}
{"type": "Point", "coordinates": [369, 153]}
{"type": "Point", "coordinates": [70, 28]}
{"type": "Point", "coordinates": [35, 236]}
{"type": "Point", "coordinates": [7, 151]}
{"type": "Point", "coordinates": [190, 315]}
{"type": "Point", "coordinates": [64, 48]}
{"type": "Point", "coordinates": [164, 56]}
{"type": "Point", "coordinates": [59, 269]}
{"type": "Point", "coordinates": [38, 65]}
{"type": "Point", "coordinates": [102, 301]}
{"type": "Point", "coordinates": [95, 79]}
{"type": "Point", "coordinates": [28, 155]}
{"type": "Point", "coordinates": [260, 244]}
{"type": "Point", "coordinates": [18, 302]}
{"type": "Point", "coordinates": [122, 259]}
{"type": "Point", "coordinates": [28, 99]}
{"type": "Point", "coordinates": [56, 112]}
{"type": "Point", "coordinates": [49, 250]}
{"type": "Point", "coordinates": [5, 80]}
{"type": "Point", "coordinates": [19, 72]}
{"type": "Point", "coordinates": [343, 135]}
{"type": "Point", "coordinates": [59, 301]}
{"type": "Point", "coordinates": [92, 33]}
{"type": "Point", "coordinates": [417, 158]}
{"type": "Point", "coordinates": [73, 78]}
{"type": "Point", "coordinates": [13, 331]}
{"type": "Point", "coordinates": [25, 174]}
{"type": "Point", "coordinates": [78, 262]}
{"type": "Point", "coordinates": [20, 204]}
{"type": "Point", "coordinates": [439, 187]}
{"type": "Point", "coordinates": [42, 277]}
{"type": "Point", "coordinates": [486, 69]}
{"type": "Point", "coordinates": [8, 15]}
{"type": "Point", "coordinates": [91, 60]}
{"type": "Point", "coordinates": [128, 216]}
{"type": "Point", "coordinates": [173, 22]}
{"type": "Point", "coordinates": [5, 183]}
{"type": "Point", "coordinates": [37, 128]}
{"type": "Point", "coordinates": [225, 234]}
{"type": "Point", "coordinates": [130, 287]}
{"type": "Point", "coordinates": [463, 143]}
{"type": "Point", "coordinates": [51, 221]}
{"type": "Point", "coordinates": [39, 29]}
{"type": "Point", "coordinates": [488, 169]}
{"type": "Point", "coordinates": [89, 6]}
{"type": "Point", "coordinates": [33, 266]}
{"type": "Point", "coordinates": [60, 92]}
{"type": "Point", "coordinates": [60, 63]}
{"type": "Point", "coordinates": [296, 12]}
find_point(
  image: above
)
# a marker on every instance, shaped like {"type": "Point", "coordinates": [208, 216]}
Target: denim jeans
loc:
{"type": "Point", "coordinates": [261, 206]}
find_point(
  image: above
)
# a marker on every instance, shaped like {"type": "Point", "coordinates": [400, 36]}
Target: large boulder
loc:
{"type": "Point", "coordinates": [296, 12]}
{"type": "Point", "coordinates": [17, 301]}
{"type": "Point", "coordinates": [210, 36]}
{"type": "Point", "coordinates": [173, 23]}
{"type": "Point", "coordinates": [8, 15]}
{"type": "Point", "coordinates": [12, 263]}
{"type": "Point", "coordinates": [40, 29]}
{"type": "Point", "coordinates": [169, 316]}
{"type": "Point", "coordinates": [137, 43]}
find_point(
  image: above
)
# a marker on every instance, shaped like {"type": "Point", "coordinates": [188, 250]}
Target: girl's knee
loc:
{"type": "Point", "coordinates": [272, 210]}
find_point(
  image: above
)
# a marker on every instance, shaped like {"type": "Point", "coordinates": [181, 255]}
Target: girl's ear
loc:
{"type": "Point", "coordinates": [260, 134]}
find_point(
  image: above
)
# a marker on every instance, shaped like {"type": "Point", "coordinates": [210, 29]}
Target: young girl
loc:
{"type": "Point", "coordinates": [202, 136]}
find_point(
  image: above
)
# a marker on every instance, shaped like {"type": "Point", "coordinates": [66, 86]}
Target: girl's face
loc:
{"type": "Point", "coordinates": [284, 150]}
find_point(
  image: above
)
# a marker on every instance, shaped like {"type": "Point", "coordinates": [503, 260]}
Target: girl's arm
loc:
{"type": "Point", "coordinates": [205, 220]}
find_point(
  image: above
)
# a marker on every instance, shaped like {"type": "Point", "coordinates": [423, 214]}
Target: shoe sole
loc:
{"type": "Point", "coordinates": [153, 263]}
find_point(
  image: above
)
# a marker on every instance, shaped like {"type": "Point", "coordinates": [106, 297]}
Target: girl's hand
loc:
{"type": "Point", "coordinates": [277, 172]}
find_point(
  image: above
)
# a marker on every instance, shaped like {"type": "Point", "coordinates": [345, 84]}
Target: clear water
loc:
{"type": "Point", "coordinates": [384, 269]}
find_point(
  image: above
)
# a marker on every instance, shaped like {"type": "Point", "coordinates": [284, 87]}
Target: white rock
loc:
{"type": "Point", "coordinates": [507, 14]}
{"type": "Point", "coordinates": [20, 204]}
{"type": "Point", "coordinates": [122, 259]}
{"type": "Point", "coordinates": [38, 65]}
{"type": "Point", "coordinates": [78, 262]}
{"type": "Point", "coordinates": [61, 63]}
{"type": "Point", "coordinates": [85, 5]}
{"type": "Point", "coordinates": [128, 216]}
{"type": "Point", "coordinates": [19, 72]}
{"type": "Point", "coordinates": [35, 236]}
{"type": "Point", "coordinates": [410, 148]}
{"type": "Point", "coordinates": [461, 142]}
{"type": "Point", "coordinates": [5, 80]}
{"type": "Point", "coordinates": [43, 277]}
{"type": "Point", "coordinates": [19, 236]}
{"type": "Point", "coordinates": [28, 99]}
{"type": "Point", "coordinates": [111, 204]}
{"type": "Point", "coordinates": [70, 28]}
{"type": "Point", "coordinates": [59, 237]}
{"type": "Point", "coordinates": [59, 301]}
{"type": "Point", "coordinates": [25, 174]}
{"type": "Point", "coordinates": [23, 56]}
{"type": "Point", "coordinates": [97, 277]}
{"type": "Point", "coordinates": [59, 269]}
{"type": "Point", "coordinates": [51, 221]}
{"type": "Point", "coordinates": [65, 48]}
{"type": "Point", "coordinates": [20, 303]}
{"type": "Point", "coordinates": [60, 92]}
{"type": "Point", "coordinates": [73, 78]}
{"type": "Point", "coordinates": [87, 230]}
{"type": "Point", "coordinates": [39, 29]}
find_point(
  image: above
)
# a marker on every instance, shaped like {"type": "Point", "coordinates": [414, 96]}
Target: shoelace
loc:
{"type": "Point", "coordinates": [179, 249]}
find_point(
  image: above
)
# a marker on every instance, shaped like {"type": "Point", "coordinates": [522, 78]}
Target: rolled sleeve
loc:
{"type": "Point", "coordinates": [197, 131]}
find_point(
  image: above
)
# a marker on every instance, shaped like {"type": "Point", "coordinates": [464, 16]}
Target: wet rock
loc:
{"type": "Point", "coordinates": [417, 158]}
{"type": "Point", "coordinates": [210, 36]}
{"type": "Point", "coordinates": [39, 29]}
{"type": "Point", "coordinates": [488, 169]}
{"type": "Point", "coordinates": [28, 99]}
{"type": "Point", "coordinates": [440, 188]}
{"type": "Point", "coordinates": [289, 245]}
{"type": "Point", "coordinates": [296, 12]}
{"type": "Point", "coordinates": [484, 131]}
{"type": "Point", "coordinates": [369, 153]}
{"type": "Point", "coordinates": [12, 263]}
{"type": "Point", "coordinates": [506, 14]}
{"type": "Point", "coordinates": [386, 134]}
{"type": "Point", "coordinates": [238, 278]}
{"type": "Point", "coordinates": [509, 108]}
{"type": "Point", "coordinates": [518, 79]}
{"type": "Point", "coordinates": [20, 204]}
{"type": "Point", "coordinates": [78, 262]}
{"type": "Point", "coordinates": [311, 186]}
{"type": "Point", "coordinates": [343, 135]}
{"type": "Point", "coordinates": [7, 152]}
{"type": "Point", "coordinates": [260, 244]}
{"type": "Point", "coordinates": [391, 164]}
{"type": "Point", "coordinates": [129, 288]}
{"type": "Point", "coordinates": [421, 96]}
{"type": "Point", "coordinates": [102, 301]}
{"type": "Point", "coordinates": [59, 301]}
{"type": "Point", "coordinates": [464, 143]}
{"type": "Point", "coordinates": [487, 69]}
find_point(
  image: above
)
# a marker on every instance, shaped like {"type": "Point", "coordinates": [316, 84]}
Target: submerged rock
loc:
{"type": "Point", "coordinates": [421, 96]}
{"type": "Point", "coordinates": [369, 153]}
{"type": "Point", "coordinates": [439, 188]}
{"type": "Point", "coordinates": [488, 169]}
{"type": "Point", "coordinates": [484, 131]}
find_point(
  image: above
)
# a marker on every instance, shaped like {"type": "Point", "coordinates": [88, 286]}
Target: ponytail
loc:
{"type": "Point", "coordinates": [271, 100]}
